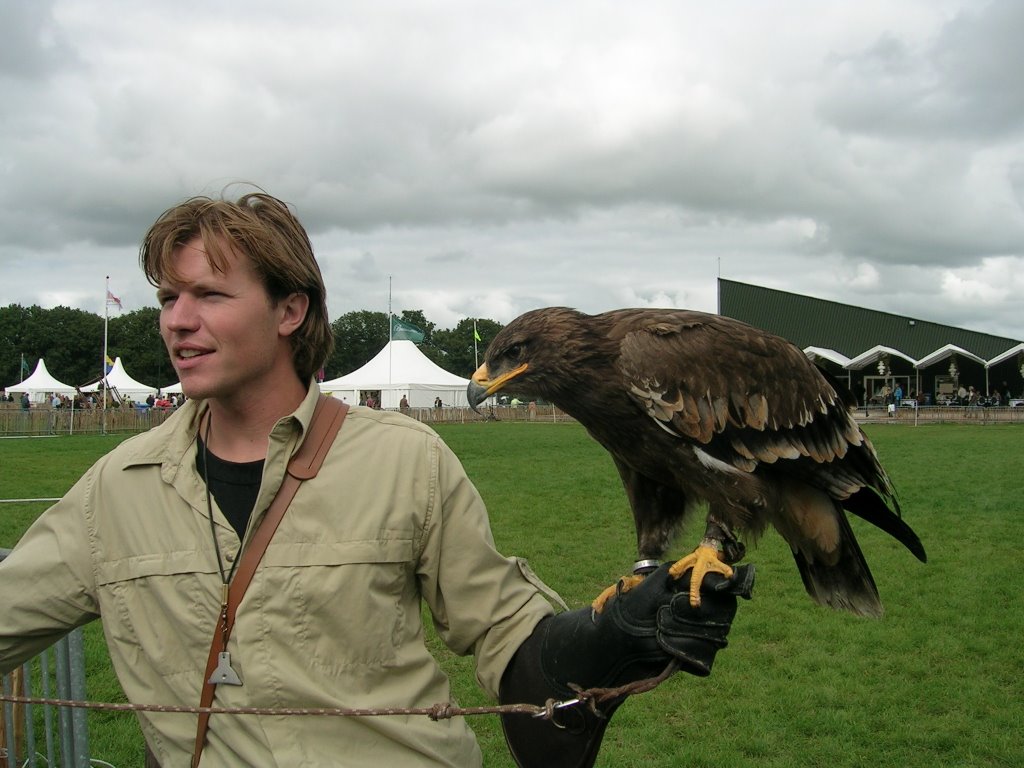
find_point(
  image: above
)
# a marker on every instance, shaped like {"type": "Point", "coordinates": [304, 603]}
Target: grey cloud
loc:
{"type": "Point", "coordinates": [961, 86]}
{"type": "Point", "coordinates": [32, 45]}
{"type": "Point", "coordinates": [587, 164]}
{"type": "Point", "coordinates": [365, 269]}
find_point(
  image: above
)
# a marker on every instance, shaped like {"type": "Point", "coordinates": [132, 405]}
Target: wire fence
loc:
{"type": "Point", "coordinates": [45, 420]}
{"type": "Point", "coordinates": [940, 414]}
{"type": "Point", "coordinates": [42, 421]}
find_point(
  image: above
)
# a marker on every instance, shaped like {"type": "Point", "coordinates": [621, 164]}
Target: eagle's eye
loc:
{"type": "Point", "coordinates": [515, 351]}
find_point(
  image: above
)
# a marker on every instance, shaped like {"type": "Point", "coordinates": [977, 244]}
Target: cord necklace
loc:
{"type": "Point", "coordinates": [224, 674]}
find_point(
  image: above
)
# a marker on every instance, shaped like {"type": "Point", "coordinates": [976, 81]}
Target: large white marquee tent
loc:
{"type": "Point", "coordinates": [401, 369]}
{"type": "Point", "coordinates": [41, 383]}
{"type": "Point", "coordinates": [125, 385]}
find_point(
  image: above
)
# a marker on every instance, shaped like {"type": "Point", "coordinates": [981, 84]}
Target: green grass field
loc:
{"type": "Point", "coordinates": [936, 682]}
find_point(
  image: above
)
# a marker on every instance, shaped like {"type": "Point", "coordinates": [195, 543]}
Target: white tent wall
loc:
{"type": "Point", "coordinates": [41, 384]}
{"type": "Point", "coordinates": [423, 395]}
{"type": "Point", "coordinates": [420, 395]}
{"type": "Point", "coordinates": [400, 368]}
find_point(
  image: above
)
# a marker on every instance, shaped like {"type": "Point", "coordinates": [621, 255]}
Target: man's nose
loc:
{"type": "Point", "coordinates": [180, 314]}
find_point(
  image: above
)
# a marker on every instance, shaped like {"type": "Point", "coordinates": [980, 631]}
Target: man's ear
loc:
{"type": "Point", "coordinates": [293, 312]}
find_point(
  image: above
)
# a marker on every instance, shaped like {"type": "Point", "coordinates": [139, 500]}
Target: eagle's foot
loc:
{"type": "Point", "coordinates": [624, 584]}
{"type": "Point", "coordinates": [705, 559]}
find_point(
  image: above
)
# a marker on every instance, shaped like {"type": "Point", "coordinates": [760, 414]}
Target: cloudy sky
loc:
{"type": "Point", "coordinates": [483, 158]}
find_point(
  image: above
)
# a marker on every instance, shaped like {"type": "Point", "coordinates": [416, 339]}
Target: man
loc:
{"type": "Point", "coordinates": [148, 538]}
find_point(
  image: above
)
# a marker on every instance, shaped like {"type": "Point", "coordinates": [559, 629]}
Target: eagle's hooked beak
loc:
{"type": "Point", "coordinates": [481, 386]}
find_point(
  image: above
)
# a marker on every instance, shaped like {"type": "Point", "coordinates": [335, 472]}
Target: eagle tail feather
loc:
{"type": "Point", "coordinates": [868, 505]}
{"type": "Point", "coordinates": [846, 583]}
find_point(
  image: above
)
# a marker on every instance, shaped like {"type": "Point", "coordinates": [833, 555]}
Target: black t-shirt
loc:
{"type": "Point", "coordinates": [234, 485]}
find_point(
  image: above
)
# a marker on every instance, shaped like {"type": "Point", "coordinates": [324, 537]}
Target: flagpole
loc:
{"type": "Point", "coordinates": [476, 352]}
{"type": "Point", "coordinates": [103, 363]}
{"type": "Point", "coordinates": [391, 336]}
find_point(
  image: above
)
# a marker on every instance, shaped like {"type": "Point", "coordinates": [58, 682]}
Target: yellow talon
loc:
{"type": "Point", "coordinates": [627, 582]}
{"type": "Point", "coordinates": [703, 560]}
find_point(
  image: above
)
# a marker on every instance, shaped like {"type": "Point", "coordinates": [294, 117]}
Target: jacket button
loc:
{"type": "Point", "coordinates": [230, 557]}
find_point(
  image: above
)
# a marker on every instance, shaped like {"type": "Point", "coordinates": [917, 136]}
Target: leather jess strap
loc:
{"type": "Point", "coordinates": [323, 427]}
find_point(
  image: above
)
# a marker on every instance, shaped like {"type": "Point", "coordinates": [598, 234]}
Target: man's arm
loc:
{"type": "Point", "coordinates": [636, 637]}
{"type": "Point", "coordinates": [46, 583]}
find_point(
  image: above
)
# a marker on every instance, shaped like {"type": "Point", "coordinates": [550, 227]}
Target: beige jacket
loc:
{"type": "Point", "coordinates": [332, 617]}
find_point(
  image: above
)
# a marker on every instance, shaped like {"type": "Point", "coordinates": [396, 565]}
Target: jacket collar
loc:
{"type": "Point", "coordinates": [170, 443]}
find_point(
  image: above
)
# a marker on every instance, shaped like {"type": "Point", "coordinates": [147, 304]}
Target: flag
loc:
{"type": "Point", "coordinates": [109, 365]}
{"type": "Point", "coordinates": [476, 333]}
{"type": "Point", "coordinates": [113, 300]}
{"type": "Point", "coordinates": [25, 371]}
{"type": "Point", "coordinates": [403, 330]}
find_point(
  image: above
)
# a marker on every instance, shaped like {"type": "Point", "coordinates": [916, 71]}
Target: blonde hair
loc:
{"type": "Point", "coordinates": [265, 230]}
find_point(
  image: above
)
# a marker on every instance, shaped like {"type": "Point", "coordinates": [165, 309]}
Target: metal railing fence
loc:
{"type": "Point", "coordinates": [44, 735]}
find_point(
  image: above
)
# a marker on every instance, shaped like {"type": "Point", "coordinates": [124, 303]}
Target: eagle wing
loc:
{"type": "Point", "coordinates": [745, 396]}
{"type": "Point", "coordinates": [754, 402]}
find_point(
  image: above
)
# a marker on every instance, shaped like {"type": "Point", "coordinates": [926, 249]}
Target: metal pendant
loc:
{"type": "Point", "coordinates": [224, 674]}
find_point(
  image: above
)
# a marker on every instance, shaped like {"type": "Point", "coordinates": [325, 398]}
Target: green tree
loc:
{"type": "Point", "coordinates": [457, 345]}
{"type": "Point", "coordinates": [13, 344]}
{"type": "Point", "coordinates": [70, 340]}
{"type": "Point", "coordinates": [358, 336]}
{"type": "Point", "coordinates": [71, 337]}
{"type": "Point", "coordinates": [429, 346]}
{"type": "Point", "coordinates": [135, 338]}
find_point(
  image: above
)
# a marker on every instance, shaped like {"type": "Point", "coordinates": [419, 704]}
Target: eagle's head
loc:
{"type": "Point", "coordinates": [537, 355]}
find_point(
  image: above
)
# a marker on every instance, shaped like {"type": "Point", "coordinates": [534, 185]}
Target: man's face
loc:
{"type": "Point", "coordinates": [225, 337]}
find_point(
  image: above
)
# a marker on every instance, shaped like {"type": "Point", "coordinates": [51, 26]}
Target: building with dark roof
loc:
{"type": "Point", "coordinates": [873, 350]}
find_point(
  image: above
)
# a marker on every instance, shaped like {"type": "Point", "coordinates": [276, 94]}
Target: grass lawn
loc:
{"type": "Point", "coordinates": [936, 682]}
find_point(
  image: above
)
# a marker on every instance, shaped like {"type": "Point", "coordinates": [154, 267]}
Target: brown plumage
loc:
{"type": "Point", "coordinates": [696, 407]}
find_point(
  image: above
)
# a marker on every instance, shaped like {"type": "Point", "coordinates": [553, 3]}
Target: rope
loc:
{"type": "Point", "coordinates": [590, 697]}
{"type": "Point", "coordinates": [435, 712]}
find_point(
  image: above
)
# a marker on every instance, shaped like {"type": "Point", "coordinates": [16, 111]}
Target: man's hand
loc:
{"type": "Point", "coordinates": [639, 631]}
{"type": "Point", "coordinates": [634, 638]}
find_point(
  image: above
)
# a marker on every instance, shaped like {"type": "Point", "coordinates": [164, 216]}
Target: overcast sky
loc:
{"type": "Point", "coordinates": [490, 158]}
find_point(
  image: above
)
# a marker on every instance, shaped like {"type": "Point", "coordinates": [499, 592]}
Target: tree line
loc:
{"type": "Point", "coordinates": [71, 342]}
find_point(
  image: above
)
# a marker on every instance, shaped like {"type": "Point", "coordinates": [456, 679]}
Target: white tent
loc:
{"type": "Point", "coordinates": [864, 359]}
{"type": "Point", "coordinates": [1017, 350]}
{"type": "Point", "coordinates": [401, 369]}
{"type": "Point", "coordinates": [814, 354]}
{"type": "Point", "coordinates": [942, 353]}
{"type": "Point", "coordinates": [125, 385]}
{"type": "Point", "coordinates": [40, 383]}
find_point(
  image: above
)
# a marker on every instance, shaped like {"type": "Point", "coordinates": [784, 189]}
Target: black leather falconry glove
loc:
{"type": "Point", "coordinates": [634, 638]}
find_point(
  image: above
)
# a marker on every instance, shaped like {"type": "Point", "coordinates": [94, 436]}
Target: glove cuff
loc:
{"type": "Point", "coordinates": [572, 738]}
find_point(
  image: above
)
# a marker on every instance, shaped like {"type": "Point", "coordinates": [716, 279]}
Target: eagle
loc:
{"type": "Point", "coordinates": [699, 409]}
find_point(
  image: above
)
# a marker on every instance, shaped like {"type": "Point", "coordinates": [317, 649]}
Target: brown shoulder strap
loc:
{"type": "Point", "coordinates": [306, 462]}
{"type": "Point", "coordinates": [323, 427]}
